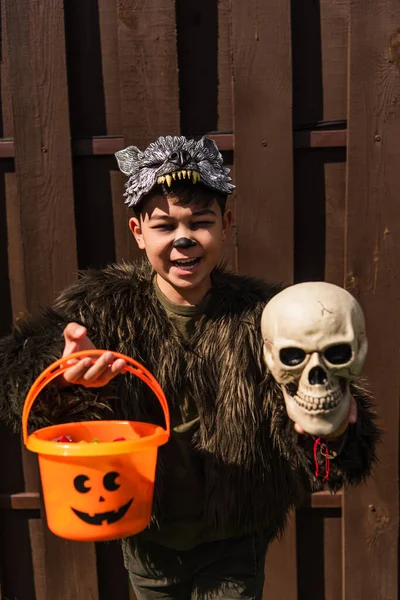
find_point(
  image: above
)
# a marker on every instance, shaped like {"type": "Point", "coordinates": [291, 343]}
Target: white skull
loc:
{"type": "Point", "coordinates": [314, 344]}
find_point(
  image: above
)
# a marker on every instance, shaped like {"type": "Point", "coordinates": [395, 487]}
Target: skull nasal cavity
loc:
{"type": "Point", "coordinates": [317, 376]}
{"type": "Point", "coordinates": [180, 158]}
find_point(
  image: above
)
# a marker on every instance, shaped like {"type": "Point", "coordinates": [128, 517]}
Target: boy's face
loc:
{"type": "Point", "coordinates": [183, 273]}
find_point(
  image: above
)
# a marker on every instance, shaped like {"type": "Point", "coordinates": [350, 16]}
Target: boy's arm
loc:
{"type": "Point", "coordinates": [355, 450]}
{"type": "Point", "coordinates": [38, 341]}
{"type": "Point", "coordinates": [32, 346]}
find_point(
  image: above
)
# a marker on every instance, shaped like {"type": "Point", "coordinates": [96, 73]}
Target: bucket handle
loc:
{"type": "Point", "coordinates": [59, 366]}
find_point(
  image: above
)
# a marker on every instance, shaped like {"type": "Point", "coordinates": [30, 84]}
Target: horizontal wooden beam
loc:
{"type": "Point", "coordinates": [324, 499]}
{"type": "Point", "coordinates": [6, 148]}
{"type": "Point", "coordinates": [224, 141]}
{"type": "Point", "coordinates": [108, 145]}
{"type": "Point", "coordinates": [31, 500]}
{"type": "Point", "coordinates": [97, 145]}
{"type": "Point", "coordinates": [21, 501]}
{"type": "Point", "coordinates": [335, 138]}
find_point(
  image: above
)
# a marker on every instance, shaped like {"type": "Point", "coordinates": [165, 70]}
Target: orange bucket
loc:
{"type": "Point", "coordinates": [97, 491]}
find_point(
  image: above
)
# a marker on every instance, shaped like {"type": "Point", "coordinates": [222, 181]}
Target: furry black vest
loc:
{"type": "Point", "coordinates": [256, 466]}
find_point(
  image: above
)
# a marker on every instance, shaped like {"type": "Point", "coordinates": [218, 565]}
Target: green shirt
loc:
{"type": "Point", "coordinates": [182, 525]}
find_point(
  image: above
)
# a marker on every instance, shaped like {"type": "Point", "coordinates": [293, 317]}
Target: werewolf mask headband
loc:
{"type": "Point", "coordinates": [172, 158]}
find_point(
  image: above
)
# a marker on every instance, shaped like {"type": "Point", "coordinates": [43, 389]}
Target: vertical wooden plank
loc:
{"type": "Point", "coordinates": [148, 72]}
{"type": "Point", "coordinates": [225, 112]}
{"type": "Point", "coordinates": [124, 244]}
{"type": "Point", "coordinates": [94, 79]}
{"type": "Point", "coordinates": [85, 69]}
{"type": "Point", "coordinates": [335, 185]}
{"type": "Point", "coordinates": [334, 30]}
{"type": "Point", "coordinates": [93, 75]}
{"type": "Point", "coordinates": [110, 64]}
{"type": "Point", "coordinates": [15, 546]}
{"type": "Point", "coordinates": [197, 21]}
{"type": "Point", "coordinates": [371, 512]}
{"type": "Point", "coordinates": [15, 247]}
{"type": "Point", "coordinates": [42, 146]}
{"type": "Point", "coordinates": [113, 577]}
{"type": "Point", "coordinates": [94, 213]}
{"type": "Point", "coordinates": [319, 190]}
{"type": "Point", "coordinates": [319, 554]}
{"type": "Point", "coordinates": [15, 551]}
{"type": "Point", "coordinates": [225, 75]}
{"type": "Point", "coordinates": [309, 221]}
{"type": "Point", "coordinates": [38, 85]}
{"type": "Point", "coordinates": [230, 244]}
{"type": "Point", "coordinates": [262, 95]}
{"type": "Point", "coordinates": [6, 122]}
{"type": "Point", "coordinates": [11, 245]}
{"type": "Point", "coordinates": [319, 40]}
{"type": "Point", "coordinates": [281, 566]}
{"type": "Point", "coordinates": [5, 298]}
{"type": "Point", "coordinates": [332, 553]}
{"type": "Point", "coordinates": [14, 526]}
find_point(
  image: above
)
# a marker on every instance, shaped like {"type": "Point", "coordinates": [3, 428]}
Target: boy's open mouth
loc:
{"type": "Point", "coordinates": [186, 263]}
{"type": "Point", "coordinates": [193, 176]}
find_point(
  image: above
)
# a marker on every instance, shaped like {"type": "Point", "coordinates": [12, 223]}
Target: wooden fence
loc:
{"type": "Point", "coordinates": [304, 100]}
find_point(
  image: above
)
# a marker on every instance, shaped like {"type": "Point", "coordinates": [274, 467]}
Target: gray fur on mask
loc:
{"type": "Point", "coordinates": [172, 158]}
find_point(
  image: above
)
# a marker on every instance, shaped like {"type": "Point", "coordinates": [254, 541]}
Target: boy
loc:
{"type": "Point", "coordinates": [235, 465]}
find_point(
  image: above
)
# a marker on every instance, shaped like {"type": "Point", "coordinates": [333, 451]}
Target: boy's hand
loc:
{"type": "Point", "coordinates": [352, 418]}
{"type": "Point", "coordinates": [84, 372]}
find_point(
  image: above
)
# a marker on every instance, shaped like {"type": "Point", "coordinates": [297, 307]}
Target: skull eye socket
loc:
{"type": "Point", "coordinates": [79, 483]}
{"type": "Point", "coordinates": [291, 357]}
{"type": "Point", "coordinates": [339, 354]}
{"type": "Point", "coordinates": [109, 481]}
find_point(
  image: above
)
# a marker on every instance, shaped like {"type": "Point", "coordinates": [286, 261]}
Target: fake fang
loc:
{"type": "Point", "coordinates": [186, 174]}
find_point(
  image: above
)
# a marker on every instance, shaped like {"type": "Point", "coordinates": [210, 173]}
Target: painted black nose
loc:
{"type": "Point", "coordinates": [180, 158]}
{"type": "Point", "coordinates": [183, 243]}
{"type": "Point", "coordinates": [317, 376]}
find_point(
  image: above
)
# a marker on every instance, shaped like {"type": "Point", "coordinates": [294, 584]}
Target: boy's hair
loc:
{"type": "Point", "coordinates": [186, 193]}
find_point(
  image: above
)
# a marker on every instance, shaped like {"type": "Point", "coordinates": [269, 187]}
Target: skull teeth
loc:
{"type": "Point", "coordinates": [312, 403]}
{"type": "Point", "coordinates": [194, 176]}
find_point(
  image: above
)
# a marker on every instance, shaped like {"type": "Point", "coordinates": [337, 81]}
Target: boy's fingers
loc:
{"type": "Point", "coordinates": [99, 367]}
{"type": "Point", "coordinates": [353, 411]}
{"type": "Point", "coordinates": [74, 331]}
{"type": "Point", "coordinates": [76, 339]}
{"type": "Point", "coordinates": [105, 375]}
{"type": "Point", "coordinates": [118, 366]}
{"type": "Point", "coordinates": [89, 374]}
{"type": "Point", "coordinates": [299, 429]}
{"type": "Point", "coordinates": [77, 371]}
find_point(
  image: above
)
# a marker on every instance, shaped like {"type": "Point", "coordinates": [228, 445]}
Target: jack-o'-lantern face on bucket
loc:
{"type": "Point", "coordinates": [101, 499]}
{"type": "Point", "coordinates": [97, 498]}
